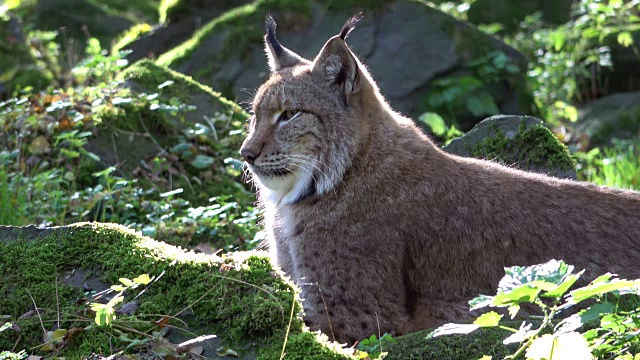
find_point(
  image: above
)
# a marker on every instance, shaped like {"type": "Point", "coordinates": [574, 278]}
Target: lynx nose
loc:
{"type": "Point", "coordinates": [248, 155]}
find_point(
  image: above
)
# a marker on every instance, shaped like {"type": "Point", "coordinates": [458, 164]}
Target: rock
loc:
{"type": "Point", "coordinates": [613, 116]}
{"type": "Point", "coordinates": [80, 19]}
{"type": "Point", "coordinates": [228, 52]}
{"type": "Point", "coordinates": [18, 67]}
{"type": "Point", "coordinates": [511, 13]}
{"type": "Point", "coordinates": [624, 73]}
{"type": "Point", "coordinates": [133, 147]}
{"type": "Point", "coordinates": [181, 18]}
{"type": "Point", "coordinates": [239, 297]}
{"type": "Point", "coordinates": [520, 141]}
{"type": "Point", "coordinates": [177, 10]}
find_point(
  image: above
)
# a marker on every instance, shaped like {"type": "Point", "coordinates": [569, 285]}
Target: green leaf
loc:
{"type": "Point", "coordinates": [489, 319]}
{"type": "Point", "coordinates": [585, 316]}
{"type": "Point", "coordinates": [590, 33]}
{"type": "Point", "coordinates": [557, 38]}
{"type": "Point", "coordinates": [565, 346]}
{"type": "Point", "coordinates": [105, 316]}
{"type": "Point", "coordinates": [117, 288]}
{"type": "Point", "coordinates": [520, 294]}
{"type": "Point", "coordinates": [521, 335]}
{"type": "Point", "coordinates": [480, 302]}
{"type": "Point", "coordinates": [554, 271]}
{"type": "Point", "coordinates": [126, 282]}
{"type": "Point", "coordinates": [202, 162]}
{"type": "Point", "coordinates": [435, 122]}
{"type": "Point", "coordinates": [449, 329]}
{"type": "Point", "coordinates": [69, 154]}
{"type": "Point", "coordinates": [513, 310]}
{"type": "Point", "coordinates": [225, 351]}
{"type": "Point", "coordinates": [172, 192]}
{"type": "Point", "coordinates": [571, 113]}
{"type": "Point", "coordinates": [615, 3]}
{"type": "Point", "coordinates": [625, 39]}
{"type": "Point", "coordinates": [481, 104]}
{"type": "Point", "coordinates": [562, 288]}
{"type": "Point", "coordinates": [143, 279]}
{"type": "Point", "coordinates": [11, 4]}
{"type": "Point", "coordinates": [600, 288]}
{"type": "Point", "coordinates": [105, 172]}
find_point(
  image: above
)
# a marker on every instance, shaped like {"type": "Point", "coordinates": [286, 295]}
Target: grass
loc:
{"type": "Point", "coordinates": [617, 166]}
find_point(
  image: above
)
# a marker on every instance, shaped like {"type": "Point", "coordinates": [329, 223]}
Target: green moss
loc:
{"type": "Point", "coordinates": [237, 296]}
{"type": "Point", "coordinates": [150, 76]}
{"type": "Point", "coordinates": [244, 25]}
{"type": "Point", "coordinates": [168, 8]}
{"type": "Point", "coordinates": [452, 347]}
{"type": "Point", "coordinates": [134, 10]}
{"type": "Point", "coordinates": [129, 36]}
{"type": "Point", "coordinates": [535, 145]}
{"type": "Point", "coordinates": [306, 346]}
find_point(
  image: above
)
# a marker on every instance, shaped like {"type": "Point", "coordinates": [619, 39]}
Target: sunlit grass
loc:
{"type": "Point", "coordinates": [617, 166]}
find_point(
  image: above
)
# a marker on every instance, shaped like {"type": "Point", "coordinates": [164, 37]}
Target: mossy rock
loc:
{"type": "Point", "coordinates": [239, 296]}
{"type": "Point", "coordinates": [137, 131]}
{"type": "Point", "coordinates": [520, 141]}
{"type": "Point", "coordinates": [616, 116]}
{"type": "Point", "coordinates": [482, 342]}
{"type": "Point", "coordinates": [228, 51]}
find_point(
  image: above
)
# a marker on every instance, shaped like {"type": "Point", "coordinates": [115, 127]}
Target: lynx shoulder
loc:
{"type": "Point", "coordinates": [382, 230]}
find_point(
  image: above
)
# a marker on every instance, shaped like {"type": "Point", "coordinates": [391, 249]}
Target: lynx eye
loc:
{"type": "Point", "coordinates": [288, 114]}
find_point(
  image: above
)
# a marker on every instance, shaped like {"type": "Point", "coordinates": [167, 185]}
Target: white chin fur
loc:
{"type": "Point", "coordinates": [284, 189]}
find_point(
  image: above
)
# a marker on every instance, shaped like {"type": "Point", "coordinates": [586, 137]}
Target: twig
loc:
{"type": "Point", "coordinates": [148, 132]}
{"type": "Point", "coordinates": [326, 310]}
{"type": "Point", "coordinates": [57, 304]}
{"type": "Point", "coordinates": [44, 331]}
{"type": "Point", "coordinates": [286, 335]}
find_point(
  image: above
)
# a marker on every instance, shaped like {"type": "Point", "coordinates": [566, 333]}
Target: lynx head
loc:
{"type": "Point", "coordinates": [307, 119]}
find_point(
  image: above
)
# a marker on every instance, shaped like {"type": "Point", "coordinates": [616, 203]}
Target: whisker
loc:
{"type": "Point", "coordinates": [305, 169]}
{"type": "Point", "coordinates": [306, 160]}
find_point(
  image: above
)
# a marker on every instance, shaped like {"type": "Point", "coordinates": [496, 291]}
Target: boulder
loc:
{"type": "Point", "coordinates": [150, 135]}
{"type": "Point", "coordinates": [519, 141]}
{"type": "Point", "coordinates": [80, 20]}
{"type": "Point", "coordinates": [406, 44]}
{"type": "Point", "coordinates": [511, 13]}
{"type": "Point", "coordinates": [610, 117]}
{"type": "Point", "coordinates": [180, 19]}
{"type": "Point", "coordinates": [624, 73]}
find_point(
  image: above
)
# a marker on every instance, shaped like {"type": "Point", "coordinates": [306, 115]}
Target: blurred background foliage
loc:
{"type": "Point", "coordinates": [66, 90]}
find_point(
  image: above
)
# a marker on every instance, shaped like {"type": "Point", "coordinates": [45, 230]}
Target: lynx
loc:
{"type": "Point", "coordinates": [382, 230]}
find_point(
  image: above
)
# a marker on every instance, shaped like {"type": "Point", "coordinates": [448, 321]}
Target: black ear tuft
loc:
{"type": "Point", "coordinates": [270, 26]}
{"type": "Point", "coordinates": [349, 26]}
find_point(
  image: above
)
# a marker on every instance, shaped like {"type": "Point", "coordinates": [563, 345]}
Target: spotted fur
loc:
{"type": "Point", "coordinates": [382, 230]}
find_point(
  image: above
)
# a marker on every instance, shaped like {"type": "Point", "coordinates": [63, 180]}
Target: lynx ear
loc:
{"type": "Point", "coordinates": [279, 56]}
{"type": "Point", "coordinates": [336, 63]}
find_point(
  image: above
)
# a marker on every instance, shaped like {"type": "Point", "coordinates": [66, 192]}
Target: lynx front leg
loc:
{"type": "Point", "coordinates": [348, 305]}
